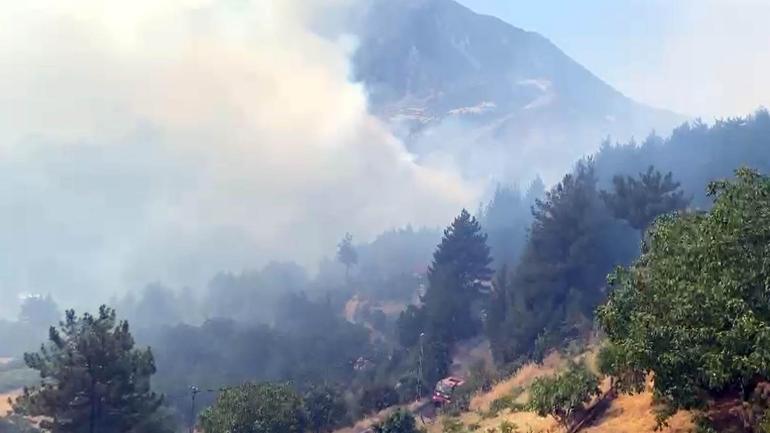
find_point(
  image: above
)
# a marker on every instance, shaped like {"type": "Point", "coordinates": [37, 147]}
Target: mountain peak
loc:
{"type": "Point", "coordinates": [429, 62]}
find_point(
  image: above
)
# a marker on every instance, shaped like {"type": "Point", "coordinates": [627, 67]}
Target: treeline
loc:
{"type": "Point", "coordinates": [528, 272]}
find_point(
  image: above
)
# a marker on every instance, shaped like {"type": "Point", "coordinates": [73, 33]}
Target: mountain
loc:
{"type": "Point", "coordinates": [489, 98]}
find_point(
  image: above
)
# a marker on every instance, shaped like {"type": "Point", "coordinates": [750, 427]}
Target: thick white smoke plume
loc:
{"type": "Point", "coordinates": [148, 140]}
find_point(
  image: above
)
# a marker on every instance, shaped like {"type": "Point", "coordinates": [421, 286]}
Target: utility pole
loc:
{"type": "Point", "coordinates": [194, 390]}
{"type": "Point", "coordinates": [419, 368]}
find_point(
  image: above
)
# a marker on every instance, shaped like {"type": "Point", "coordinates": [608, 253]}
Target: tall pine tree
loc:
{"type": "Point", "coordinates": [93, 379]}
{"type": "Point", "coordinates": [573, 244]}
{"type": "Point", "coordinates": [457, 279]}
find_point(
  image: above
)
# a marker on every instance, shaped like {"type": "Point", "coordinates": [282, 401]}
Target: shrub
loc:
{"type": "Point", "coordinates": [563, 395]}
{"type": "Point", "coordinates": [398, 422]}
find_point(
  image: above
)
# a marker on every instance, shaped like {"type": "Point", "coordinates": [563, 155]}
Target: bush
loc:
{"type": "Point", "coordinates": [399, 422]}
{"type": "Point", "coordinates": [452, 425]}
{"type": "Point", "coordinates": [508, 427]}
{"type": "Point", "coordinates": [507, 402]}
{"type": "Point", "coordinates": [564, 395]}
{"type": "Point", "coordinates": [255, 408]}
{"type": "Point", "coordinates": [377, 398]}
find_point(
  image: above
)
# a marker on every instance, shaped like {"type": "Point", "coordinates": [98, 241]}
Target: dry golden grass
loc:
{"type": "Point", "coordinates": [632, 414]}
{"type": "Point", "coordinates": [627, 413]}
{"type": "Point", "coordinates": [5, 407]}
{"type": "Point", "coordinates": [523, 378]}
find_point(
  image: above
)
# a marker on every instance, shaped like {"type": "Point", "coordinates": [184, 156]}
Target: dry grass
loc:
{"type": "Point", "coordinates": [522, 379]}
{"type": "Point", "coordinates": [627, 413]}
{"type": "Point", "coordinates": [5, 406]}
{"type": "Point", "coordinates": [632, 414]}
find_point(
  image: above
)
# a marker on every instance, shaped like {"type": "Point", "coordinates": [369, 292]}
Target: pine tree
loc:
{"type": "Point", "coordinates": [640, 201]}
{"type": "Point", "coordinates": [559, 280]}
{"type": "Point", "coordinates": [93, 379]}
{"type": "Point", "coordinates": [347, 254]}
{"type": "Point", "coordinates": [457, 279]}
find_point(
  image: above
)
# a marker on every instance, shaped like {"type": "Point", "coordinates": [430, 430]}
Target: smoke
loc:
{"type": "Point", "coordinates": [144, 141]}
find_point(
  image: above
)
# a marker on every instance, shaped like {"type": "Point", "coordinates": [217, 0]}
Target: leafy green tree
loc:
{"type": "Point", "coordinates": [400, 421]}
{"type": "Point", "coordinates": [93, 378]}
{"type": "Point", "coordinates": [563, 396]}
{"type": "Point", "coordinates": [325, 408]}
{"type": "Point", "coordinates": [255, 408]}
{"type": "Point", "coordinates": [613, 362]}
{"type": "Point", "coordinates": [640, 201]}
{"type": "Point", "coordinates": [347, 254]}
{"type": "Point", "coordinates": [694, 309]}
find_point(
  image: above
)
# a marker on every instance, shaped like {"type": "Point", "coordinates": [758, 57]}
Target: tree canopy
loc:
{"type": "Point", "coordinates": [640, 201]}
{"type": "Point", "coordinates": [552, 293]}
{"type": "Point", "coordinates": [255, 408]}
{"type": "Point", "coordinates": [93, 378]}
{"type": "Point", "coordinates": [694, 309]}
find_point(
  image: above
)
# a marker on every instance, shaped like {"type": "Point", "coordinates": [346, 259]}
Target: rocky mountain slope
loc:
{"type": "Point", "coordinates": [487, 97]}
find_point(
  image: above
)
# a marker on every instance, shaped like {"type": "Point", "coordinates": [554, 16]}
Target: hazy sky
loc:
{"type": "Point", "coordinates": [699, 57]}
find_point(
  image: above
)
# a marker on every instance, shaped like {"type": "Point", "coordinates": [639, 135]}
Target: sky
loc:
{"type": "Point", "coordinates": [701, 58]}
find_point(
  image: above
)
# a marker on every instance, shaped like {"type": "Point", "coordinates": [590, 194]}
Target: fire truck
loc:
{"type": "Point", "coordinates": [444, 390]}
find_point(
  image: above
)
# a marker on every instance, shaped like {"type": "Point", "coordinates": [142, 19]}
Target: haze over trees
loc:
{"type": "Point", "coordinates": [282, 325]}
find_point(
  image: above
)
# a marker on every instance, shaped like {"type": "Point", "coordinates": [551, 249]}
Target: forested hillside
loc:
{"type": "Point", "coordinates": [687, 306]}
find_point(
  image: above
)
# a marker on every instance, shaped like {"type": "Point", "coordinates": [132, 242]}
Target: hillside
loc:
{"type": "Point", "coordinates": [488, 95]}
{"type": "Point", "coordinates": [626, 414]}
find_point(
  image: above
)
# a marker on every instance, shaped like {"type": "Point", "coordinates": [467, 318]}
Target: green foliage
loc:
{"type": "Point", "coordinates": [552, 293]}
{"type": "Point", "coordinates": [309, 343]}
{"type": "Point", "coordinates": [255, 408]}
{"type": "Point", "coordinates": [613, 362]}
{"type": "Point", "coordinates": [694, 309]}
{"type": "Point", "coordinates": [507, 402]}
{"type": "Point", "coordinates": [377, 398]}
{"type": "Point", "coordinates": [457, 281]}
{"type": "Point", "coordinates": [564, 395]}
{"type": "Point", "coordinates": [452, 425]}
{"type": "Point", "coordinates": [508, 427]}
{"type": "Point", "coordinates": [399, 421]}
{"type": "Point", "coordinates": [325, 406]}
{"type": "Point", "coordinates": [640, 201]}
{"type": "Point", "coordinates": [93, 379]}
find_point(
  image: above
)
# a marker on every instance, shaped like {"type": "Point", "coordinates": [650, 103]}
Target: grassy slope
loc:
{"type": "Point", "coordinates": [627, 414]}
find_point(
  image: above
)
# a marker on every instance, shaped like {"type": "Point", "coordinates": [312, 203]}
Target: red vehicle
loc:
{"type": "Point", "coordinates": [442, 394]}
